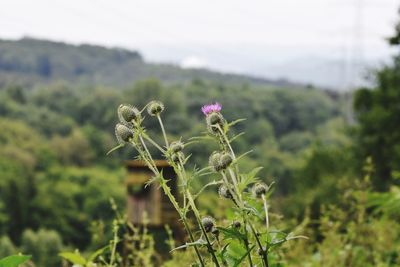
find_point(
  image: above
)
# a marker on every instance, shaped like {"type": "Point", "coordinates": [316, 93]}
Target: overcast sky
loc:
{"type": "Point", "coordinates": [241, 36]}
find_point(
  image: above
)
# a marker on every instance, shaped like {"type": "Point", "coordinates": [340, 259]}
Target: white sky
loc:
{"type": "Point", "coordinates": [208, 30]}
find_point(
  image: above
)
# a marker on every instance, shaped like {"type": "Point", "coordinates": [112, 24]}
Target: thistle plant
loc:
{"type": "Point", "coordinates": [249, 236]}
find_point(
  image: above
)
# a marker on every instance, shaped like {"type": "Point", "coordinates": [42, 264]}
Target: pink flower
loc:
{"type": "Point", "coordinates": [207, 109]}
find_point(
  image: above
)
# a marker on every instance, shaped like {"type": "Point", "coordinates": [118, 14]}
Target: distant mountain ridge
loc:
{"type": "Point", "coordinates": [30, 61]}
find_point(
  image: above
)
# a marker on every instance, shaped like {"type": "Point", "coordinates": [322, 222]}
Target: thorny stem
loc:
{"type": "Point", "coordinates": [182, 173]}
{"type": "Point", "coordinates": [197, 215]}
{"type": "Point", "coordinates": [114, 242]}
{"type": "Point", "coordinates": [153, 143]}
{"type": "Point", "coordinates": [163, 130]}
{"type": "Point", "coordinates": [235, 185]}
{"type": "Point", "coordinates": [167, 191]}
{"type": "Point", "coordinates": [228, 144]}
{"type": "Point", "coordinates": [266, 210]}
{"type": "Point", "coordinates": [239, 202]}
{"type": "Point", "coordinates": [263, 251]}
{"type": "Point", "coordinates": [234, 195]}
{"type": "Point", "coordinates": [246, 242]}
{"type": "Point", "coordinates": [185, 189]}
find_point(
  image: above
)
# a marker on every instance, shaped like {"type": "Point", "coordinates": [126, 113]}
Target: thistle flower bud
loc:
{"type": "Point", "coordinates": [236, 224]}
{"type": "Point", "coordinates": [177, 146]}
{"type": "Point", "coordinates": [214, 120]}
{"type": "Point", "coordinates": [215, 161]}
{"type": "Point", "coordinates": [127, 114]}
{"type": "Point", "coordinates": [208, 223]}
{"type": "Point", "coordinates": [154, 108]}
{"type": "Point", "coordinates": [223, 191]}
{"type": "Point", "coordinates": [123, 133]}
{"type": "Point", "coordinates": [215, 232]}
{"type": "Point", "coordinates": [260, 189]}
{"type": "Point", "coordinates": [226, 160]}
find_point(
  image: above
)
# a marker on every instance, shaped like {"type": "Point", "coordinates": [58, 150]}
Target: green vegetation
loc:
{"type": "Point", "coordinates": [335, 183]}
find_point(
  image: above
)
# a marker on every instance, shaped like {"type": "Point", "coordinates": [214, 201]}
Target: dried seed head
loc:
{"type": "Point", "coordinates": [236, 224]}
{"type": "Point", "coordinates": [154, 108]}
{"type": "Point", "coordinates": [123, 133]}
{"type": "Point", "coordinates": [226, 160]}
{"type": "Point", "coordinates": [177, 146]}
{"type": "Point", "coordinates": [224, 192]}
{"type": "Point", "coordinates": [208, 223]}
{"type": "Point", "coordinates": [128, 113]}
{"type": "Point", "coordinates": [215, 161]}
{"type": "Point", "coordinates": [260, 189]}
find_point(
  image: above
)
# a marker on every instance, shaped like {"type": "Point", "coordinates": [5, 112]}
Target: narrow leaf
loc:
{"type": "Point", "coordinates": [14, 260]}
{"type": "Point", "coordinates": [114, 148]}
{"type": "Point", "coordinates": [73, 257]}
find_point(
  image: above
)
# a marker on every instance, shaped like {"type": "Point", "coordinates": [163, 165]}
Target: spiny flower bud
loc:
{"type": "Point", "coordinates": [260, 189]}
{"type": "Point", "coordinates": [226, 160]}
{"type": "Point", "coordinates": [215, 232]}
{"type": "Point", "coordinates": [208, 223]}
{"type": "Point", "coordinates": [123, 133]}
{"type": "Point", "coordinates": [236, 224]}
{"type": "Point", "coordinates": [154, 108]}
{"type": "Point", "coordinates": [224, 192]}
{"type": "Point", "coordinates": [215, 161]}
{"type": "Point", "coordinates": [128, 113]}
{"type": "Point", "coordinates": [215, 118]}
{"type": "Point", "coordinates": [215, 122]}
{"type": "Point", "coordinates": [177, 146]}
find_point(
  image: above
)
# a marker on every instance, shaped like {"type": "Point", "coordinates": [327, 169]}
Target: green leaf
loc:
{"type": "Point", "coordinates": [98, 252]}
{"type": "Point", "coordinates": [73, 257]}
{"type": "Point", "coordinates": [248, 178]}
{"type": "Point", "coordinates": [207, 185]}
{"type": "Point", "coordinates": [14, 260]}
{"type": "Point", "coordinates": [236, 253]}
{"type": "Point", "coordinates": [239, 261]}
{"type": "Point", "coordinates": [235, 137]}
{"type": "Point", "coordinates": [232, 233]}
{"type": "Point", "coordinates": [232, 123]}
{"type": "Point", "coordinates": [114, 148]}
{"type": "Point", "coordinates": [196, 243]}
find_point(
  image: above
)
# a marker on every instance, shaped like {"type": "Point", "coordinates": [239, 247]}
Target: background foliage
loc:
{"type": "Point", "coordinates": [57, 113]}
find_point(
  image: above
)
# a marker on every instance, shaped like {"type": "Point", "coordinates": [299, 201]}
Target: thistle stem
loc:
{"type": "Point", "coordinates": [114, 247]}
{"type": "Point", "coordinates": [197, 215]}
{"type": "Point", "coordinates": [264, 251]}
{"type": "Point", "coordinates": [163, 130]}
{"type": "Point", "coordinates": [153, 143]}
{"type": "Point", "coordinates": [246, 242]}
{"type": "Point", "coordinates": [171, 198]}
{"type": "Point", "coordinates": [266, 210]}
{"type": "Point", "coordinates": [182, 173]}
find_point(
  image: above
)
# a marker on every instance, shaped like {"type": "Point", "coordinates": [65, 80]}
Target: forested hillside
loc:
{"type": "Point", "coordinates": [56, 136]}
{"type": "Point", "coordinates": [58, 107]}
{"type": "Point", "coordinates": [31, 61]}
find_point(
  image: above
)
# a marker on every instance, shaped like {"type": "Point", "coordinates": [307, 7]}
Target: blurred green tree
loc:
{"type": "Point", "coordinates": [378, 112]}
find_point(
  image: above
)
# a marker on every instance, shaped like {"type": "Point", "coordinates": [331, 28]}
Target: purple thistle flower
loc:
{"type": "Point", "coordinates": [207, 109]}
